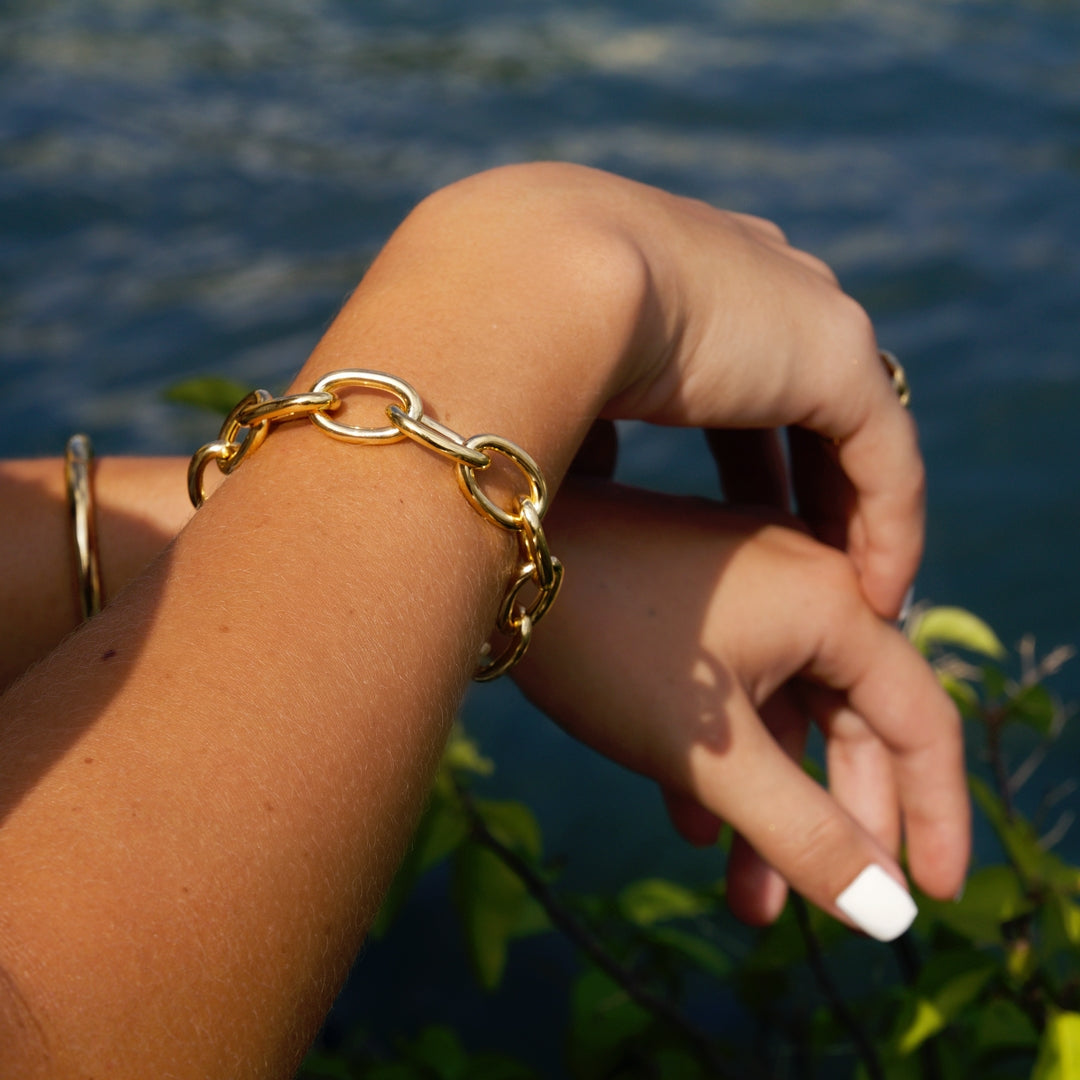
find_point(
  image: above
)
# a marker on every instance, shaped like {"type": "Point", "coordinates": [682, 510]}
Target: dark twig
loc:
{"type": "Point", "coordinates": [581, 936]}
{"type": "Point", "coordinates": [842, 1014]}
{"type": "Point", "coordinates": [910, 964]}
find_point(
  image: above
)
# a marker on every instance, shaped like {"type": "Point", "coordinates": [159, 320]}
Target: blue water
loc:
{"type": "Point", "coordinates": [193, 187]}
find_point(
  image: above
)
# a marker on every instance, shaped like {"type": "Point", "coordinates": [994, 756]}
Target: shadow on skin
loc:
{"type": "Point", "coordinates": [38, 599]}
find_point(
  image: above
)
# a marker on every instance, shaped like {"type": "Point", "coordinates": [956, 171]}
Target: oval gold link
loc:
{"type": "Point", "coordinates": [215, 451]}
{"type": "Point", "coordinates": [290, 407]}
{"type": "Point", "coordinates": [484, 505]}
{"type": "Point", "coordinates": [513, 652]}
{"type": "Point", "coordinates": [437, 437]}
{"type": "Point", "coordinates": [374, 380]}
{"type": "Point", "coordinates": [535, 544]}
{"type": "Point", "coordinates": [230, 429]}
{"type": "Point", "coordinates": [507, 619]}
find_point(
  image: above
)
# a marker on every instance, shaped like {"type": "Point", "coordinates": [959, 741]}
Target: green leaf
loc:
{"type": "Point", "coordinates": [707, 956]}
{"type": "Point", "coordinates": [210, 392]}
{"type": "Point", "coordinates": [992, 896]}
{"type": "Point", "coordinates": [995, 683]}
{"type": "Point", "coordinates": [1059, 1052]}
{"type": "Point", "coordinates": [492, 901]}
{"type": "Point", "coordinates": [514, 824]}
{"type": "Point", "coordinates": [439, 1050]}
{"type": "Point", "coordinates": [655, 900]}
{"type": "Point", "coordinates": [604, 1018]}
{"type": "Point", "coordinates": [1061, 924]}
{"type": "Point", "coordinates": [1021, 842]}
{"type": "Point", "coordinates": [319, 1065]}
{"type": "Point", "coordinates": [396, 1070]}
{"type": "Point", "coordinates": [941, 1000]}
{"type": "Point", "coordinates": [1034, 707]}
{"type": "Point", "coordinates": [1003, 1025]}
{"type": "Point", "coordinates": [956, 627]}
{"type": "Point", "coordinates": [672, 1064]}
{"type": "Point", "coordinates": [462, 755]}
{"type": "Point", "coordinates": [963, 693]}
{"type": "Point", "coordinates": [441, 830]}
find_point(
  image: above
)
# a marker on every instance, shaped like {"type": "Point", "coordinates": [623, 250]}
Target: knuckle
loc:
{"type": "Point", "coordinates": [855, 322]}
{"type": "Point", "coordinates": [837, 584]}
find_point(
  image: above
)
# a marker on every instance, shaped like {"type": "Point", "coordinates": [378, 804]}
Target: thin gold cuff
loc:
{"type": "Point", "coordinates": [78, 461]}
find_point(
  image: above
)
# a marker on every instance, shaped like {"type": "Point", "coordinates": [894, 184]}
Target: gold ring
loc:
{"type": "Point", "coordinates": [898, 376]}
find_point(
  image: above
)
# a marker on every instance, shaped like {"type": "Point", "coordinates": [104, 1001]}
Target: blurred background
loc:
{"type": "Point", "coordinates": [191, 187]}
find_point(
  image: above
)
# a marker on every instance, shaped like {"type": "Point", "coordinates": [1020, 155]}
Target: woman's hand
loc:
{"type": "Point", "coordinates": [671, 651]}
{"type": "Point", "coordinates": [718, 323]}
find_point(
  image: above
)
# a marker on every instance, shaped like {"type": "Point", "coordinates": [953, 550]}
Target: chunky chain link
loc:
{"type": "Point", "coordinates": [248, 424]}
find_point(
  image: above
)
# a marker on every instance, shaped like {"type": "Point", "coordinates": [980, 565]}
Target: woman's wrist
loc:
{"type": "Point", "coordinates": [512, 301]}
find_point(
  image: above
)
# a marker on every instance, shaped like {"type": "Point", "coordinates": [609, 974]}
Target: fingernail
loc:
{"type": "Point", "coordinates": [905, 607]}
{"type": "Point", "coordinates": [877, 904]}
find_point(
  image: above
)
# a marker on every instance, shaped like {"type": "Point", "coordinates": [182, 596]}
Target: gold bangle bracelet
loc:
{"type": "Point", "coordinates": [78, 461]}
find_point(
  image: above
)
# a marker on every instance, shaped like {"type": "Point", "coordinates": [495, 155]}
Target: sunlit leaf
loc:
{"type": "Point", "coordinates": [490, 900]}
{"type": "Point", "coordinates": [953, 626]}
{"type": "Point", "coordinates": [1059, 1051]}
{"type": "Point", "coordinates": [963, 693]}
{"type": "Point", "coordinates": [211, 392]}
{"type": "Point", "coordinates": [462, 754]}
{"type": "Point", "coordinates": [655, 900]}
{"type": "Point", "coordinates": [945, 988]}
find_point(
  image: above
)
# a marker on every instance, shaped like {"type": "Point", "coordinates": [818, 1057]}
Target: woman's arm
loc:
{"type": "Point", "coordinates": [140, 506]}
{"type": "Point", "coordinates": [206, 789]}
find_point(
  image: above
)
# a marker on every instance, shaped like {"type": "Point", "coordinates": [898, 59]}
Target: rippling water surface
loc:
{"type": "Point", "coordinates": [194, 187]}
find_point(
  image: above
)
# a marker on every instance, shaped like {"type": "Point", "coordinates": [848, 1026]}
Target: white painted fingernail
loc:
{"type": "Point", "coordinates": [877, 904]}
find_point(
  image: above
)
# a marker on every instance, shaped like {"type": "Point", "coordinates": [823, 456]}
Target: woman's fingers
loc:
{"type": "Point", "coordinates": [756, 334]}
{"type": "Point", "coordinates": [799, 830]}
{"type": "Point", "coordinates": [927, 764]}
{"type": "Point", "coordinates": [859, 765]}
{"type": "Point", "coordinates": [756, 891]}
{"type": "Point", "coordinates": [890, 688]}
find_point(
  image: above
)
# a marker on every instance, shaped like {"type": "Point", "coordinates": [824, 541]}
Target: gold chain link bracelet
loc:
{"type": "Point", "coordinates": [250, 421]}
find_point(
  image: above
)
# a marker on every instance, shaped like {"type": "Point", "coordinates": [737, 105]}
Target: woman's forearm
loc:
{"type": "Point", "coordinates": [140, 506]}
{"type": "Point", "coordinates": [206, 790]}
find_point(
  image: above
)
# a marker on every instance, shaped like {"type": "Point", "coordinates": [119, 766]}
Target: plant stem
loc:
{"type": "Point", "coordinates": [589, 943]}
{"type": "Point", "coordinates": [864, 1047]}
{"type": "Point", "coordinates": [994, 723]}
